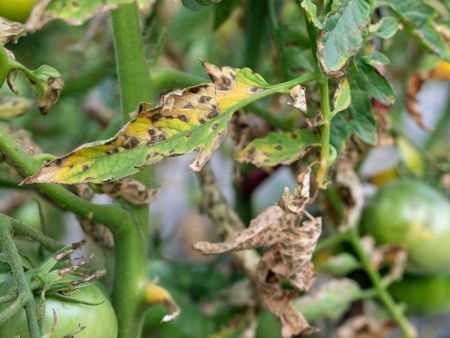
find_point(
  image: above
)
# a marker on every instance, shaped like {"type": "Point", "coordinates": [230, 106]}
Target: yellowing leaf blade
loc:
{"type": "Point", "coordinates": [188, 120]}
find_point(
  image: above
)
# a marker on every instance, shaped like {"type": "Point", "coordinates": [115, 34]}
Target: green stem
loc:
{"type": "Point", "coordinates": [4, 65]}
{"type": "Point", "coordinates": [17, 270]}
{"type": "Point", "coordinates": [331, 241]}
{"type": "Point", "coordinates": [111, 216]}
{"type": "Point", "coordinates": [131, 243]}
{"type": "Point", "coordinates": [17, 304]}
{"type": "Point", "coordinates": [406, 328]}
{"type": "Point", "coordinates": [21, 229]}
{"type": "Point", "coordinates": [325, 132]}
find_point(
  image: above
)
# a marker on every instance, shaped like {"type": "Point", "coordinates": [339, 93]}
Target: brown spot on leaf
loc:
{"type": "Point", "coordinates": [156, 117]}
{"type": "Point", "coordinates": [85, 167]}
{"type": "Point", "coordinates": [213, 114]}
{"type": "Point", "coordinates": [182, 118]}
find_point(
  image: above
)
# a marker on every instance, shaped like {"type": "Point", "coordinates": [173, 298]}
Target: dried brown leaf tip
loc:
{"type": "Point", "coordinates": [297, 96]}
{"type": "Point", "coordinates": [365, 327]}
{"type": "Point", "coordinates": [155, 294]}
{"type": "Point", "coordinates": [351, 190]}
{"type": "Point", "coordinates": [440, 71]}
{"type": "Point", "coordinates": [10, 31]}
{"type": "Point", "coordinates": [289, 256]}
{"type": "Point", "coordinates": [130, 190]}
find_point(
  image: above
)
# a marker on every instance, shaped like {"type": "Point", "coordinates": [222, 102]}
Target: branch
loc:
{"type": "Point", "coordinates": [17, 270]}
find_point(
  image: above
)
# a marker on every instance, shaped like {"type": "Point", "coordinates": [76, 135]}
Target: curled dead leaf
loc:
{"type": "Point", "coordinates": [365, 327]}
{"type": "Point", "coordinates": [130, 190]}
{"type": "Point", "coordinates": [351, 190]}
{"type": "Point", "coordinates": [415, 83]}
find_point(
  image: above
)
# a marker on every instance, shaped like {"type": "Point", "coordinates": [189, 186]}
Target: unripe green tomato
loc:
{"type": "Point", "coordinates": [99, 320]}
{"type": "Point", "coordinates": [415, 216]}
{"type": "Point", "coordinates": [423, 295]}
{"type": "Point", "coordinates": [16, 10]}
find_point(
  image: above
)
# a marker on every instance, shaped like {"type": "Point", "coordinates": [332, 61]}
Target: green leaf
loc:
{"type": "Point", "coordinates": [342, 97]}
{"type": "Point", "coordinates": [13, 106]}
{"type": "Point", "coordinates": [331, 299]}
{"type": "Point", "coordinates": [375, 59]}
{"type": "Point", "coordinates": [196, 5]}
{"type": "Point", "coordinates": [386, 27]}
{"type": "Point", "coordinates": [361, 121]}
{"type": "Point", "coordinates": [341, 264]}
{"type": "Point", "coordinates": [418, 19]}
{"type": "Point", "coordinates": [75, 12]}
{"type": "Point", "coordinates": [222, 12]}
{"type": "Point", "coordinates": [188, 120]}
{"type": "Point", "coordinates": [343, 35]}
{"type": "Point", "coordinates": [278, 148]}
{"type": "Point", "coordinates": [311, 12]}
{"type": "Point", "coordinates": [340, 131]}
{"type": "Point", "coordinates": [377, 85]}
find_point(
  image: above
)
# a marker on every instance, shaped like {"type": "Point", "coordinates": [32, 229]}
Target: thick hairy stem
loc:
{"type": "Point", "coordinates": [17, 270]}
{"type": "Point", "coordinates": [130, 273]}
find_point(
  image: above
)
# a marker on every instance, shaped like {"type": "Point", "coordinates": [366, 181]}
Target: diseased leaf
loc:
{"type": "Point", "coordinates": [278, 300]}
{"type": "Point", "coordinates": [311, 12]}
{"type": "Point", "coordinates": [386, 27]}
{"type": "Point", "coordinates": [13, 106]}
{"type": "Point", "coordinates": [99, 233]}
{"type": "Point", "coordinates": [48, 87]}
{"type": "Point", "coordinates": [342, 35]}
{"type": "Point", "coordinates": [74, 12]}
{"type": "Point", "coordinates": [415, 83]}
{"type": "Point", "coordinates": [418, 17]}
{"type": "Point", "coordinates": [367, 327]}
{"type": "Point", "coordinates": [331, 299]}
{"type": "Point", "coordinates": [192, 119]}
{"type": "Point", "coordinates": [10, 31]}
{"type": "Point", "coordinates": [342, 97]}
{"type": "Point", "coordinates": [297, 96]}
{"type": "Point", "coordinates": [130, 190]}
{"type": "Point", "coordinates": [352, 192]}
{"type": "Point", "coordinates": [289, 255]}
{"type": "Point", "coordinates": [278, 148]}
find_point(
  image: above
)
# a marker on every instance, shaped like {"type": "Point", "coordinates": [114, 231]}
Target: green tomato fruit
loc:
{"type": "Point", "coordinates": [415, 216]}
{"type": "Point", "coordinates": [99, 320]}
{"type": "Point", "coordinates": [16, 10]}
{"type": "Point", "coordinates": [423, 295]}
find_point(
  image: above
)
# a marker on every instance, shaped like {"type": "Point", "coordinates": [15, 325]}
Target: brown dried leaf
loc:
{"type": "Point", "coordinates": [223, 215]}
{"type": "Point", "coordinates": [279, 301]}
{"type": "Point", "coordinates": [99, 233]}
{"type": "Point", "coordinates": [10, 31]}
{"type": "Point", "coordinates": [391, 255]}
{"type": "Point", "coordinates": [351, 190]}
{"type": "Point", "coordinates": [130, 190]}
{"type": "Point", "coordinates": [415, 82]}
{"type": "Point", "coordinates": [297, 96]}
{"type": "Point", "coordinates": [365, 327]}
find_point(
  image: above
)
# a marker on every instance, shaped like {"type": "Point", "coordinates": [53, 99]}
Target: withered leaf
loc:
{"type": "Point", "coordinates": [278, 300]}
{"type": "Point", "coordinates": [351, 189]}
{"type": "Point", "coordinates": [367, 327]}
{"type": "Point", "coordinates": [130, 190]}
{"type": "Point", "coordinates": [297, 96]}
{"type": "Point", "coordinates": [99, 233]}
{"type": "Point", "coordinates": [188, 120]}
{"type": "Point", "coordinates": [415, 82]}
{"type": "Point", "coordinates": [10, 31]}
{"type": "Point", "coordinates": [13, 106]}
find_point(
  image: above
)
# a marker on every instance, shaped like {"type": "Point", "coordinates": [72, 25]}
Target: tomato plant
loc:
{"type": "Point", "coordinates": [415, 216]}
{"type": "Point", "coordinates": [93, 313]}
{"type": "Point", "coordinates": [296, 109]}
